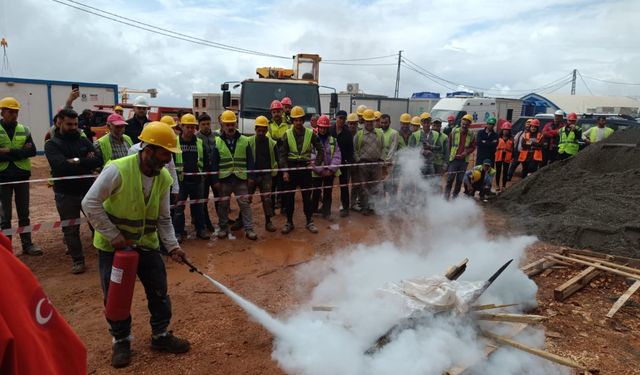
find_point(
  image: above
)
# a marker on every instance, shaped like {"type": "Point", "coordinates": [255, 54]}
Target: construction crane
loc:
{"type": "Point", "coordinates": [124, 93]}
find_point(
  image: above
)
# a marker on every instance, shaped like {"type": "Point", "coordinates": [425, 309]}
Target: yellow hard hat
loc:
{"type": "Point", "coordinates": [377, 114]}
{"type": "Point", "coordinates": [262, 121]}
{"type": "Point", "coordinates": [352, 117]}
{"type": "Point", "coordinates": [425, 115]}
{"type": "Point", "coordinates": [405, 117]}
{"type": "Point", "coordinates": [475, 175]}
{"type": "Point", "coordinates": [228, 117]}
{"type": "Point", "coordinates": [296, 112]}
{"type": "Point", "coordinates": [188, 119]}
{"type": "Point", "coordinates": [169, 120]}
{"type": "Point", "coordinates": [415, 120]}
{"type": "Point", "coordinates": [368, 115]}
{"type": "Point", "coordinates": [10, 103]}
{"type": "Point", "coordinates": [360, 110]}
{"type": "Point", "coordinates": [468, 117]}
{"type": "Point", "coordinates": [159, 134]}
{"type": "Point", "coordinates": [118, 108]}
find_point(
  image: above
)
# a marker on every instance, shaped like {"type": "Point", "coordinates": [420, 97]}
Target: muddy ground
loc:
{"type": "Point", "coordinates": [225, 341]}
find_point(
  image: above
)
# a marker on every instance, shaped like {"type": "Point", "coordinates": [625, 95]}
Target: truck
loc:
{"type": "Point", "coordinates": [41, 99]}
{"type": "Point", "coordinates": [300, 84]}
{"type": "Point", "coordinates": [481, 108]}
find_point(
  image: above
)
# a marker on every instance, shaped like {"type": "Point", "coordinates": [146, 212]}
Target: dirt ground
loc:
{"type": "Point", "coordinates": [225, 341]}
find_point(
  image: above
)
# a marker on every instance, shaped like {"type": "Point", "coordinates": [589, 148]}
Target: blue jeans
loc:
{"type": "Point", "coordinates": [153, 276]}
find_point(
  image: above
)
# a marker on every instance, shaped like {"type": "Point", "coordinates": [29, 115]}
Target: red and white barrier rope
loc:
{"type": "Point", "coordinates": [43, 226]}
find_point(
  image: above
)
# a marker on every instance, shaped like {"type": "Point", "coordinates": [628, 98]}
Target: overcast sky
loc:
{"type": "Point", "coordinates": [509, 46]}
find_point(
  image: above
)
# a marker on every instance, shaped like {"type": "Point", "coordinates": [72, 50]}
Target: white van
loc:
{"type": "Point", "coordinates": [480, 108]}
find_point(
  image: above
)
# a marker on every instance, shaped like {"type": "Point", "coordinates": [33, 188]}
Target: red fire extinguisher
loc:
{"type": "Point", "coordinates": [121, 284]}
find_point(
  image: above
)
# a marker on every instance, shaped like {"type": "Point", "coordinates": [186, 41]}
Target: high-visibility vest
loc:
{"type": "Point", "coordinates": [332, 145]}
{"type": "Point", "coordinates": [537, 153]}
{"type": "Point", "coordinates": [127, 210]}
{"type": "Point", "coordinates": [479, 168]}
{"type": "Point", "coordinates": [387, 137]}
{"type": "Point", "coordinates": [272, 154]}
{"type": "Point", "coordinates": [568, 142]}
{"type": "Point", "coordinates": [504, 148]}
{"type": "Point", "coordinates": [233, 164]}
{"type": "Point", "coordinates": [417, 136]}
{"type": "Point", "coordinates": [20, 136]}
{"type": "Point", "coordinates": [277, 131]}
{"type": "Point", "coordinates": [105, 146]}
{"type": "Point", "coordinates": [455, 136]}
{"type": "Point", "coordinates": [180, 164]}
{"type": "Point", "coordinates": [593, 133]}
{"type": "Point", "coordinates": [438, 157]}
{"type": "Point", "coordinates": [401, 142]}
{"type": "Point", "coordinates": [305, 153]}
{"type": "Point", "coordinates": [360, 136]}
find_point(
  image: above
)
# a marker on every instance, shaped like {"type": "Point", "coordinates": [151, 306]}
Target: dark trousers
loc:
{"type": "Point", "coordinates": [530, 166]}
{"type": "Point", "coordinates": [69, 207]}
{"type": "Point", "coordinates": [512, 168]}
{"type": "Point", "coordinates": [22, 208]}
{"type": "Point", "coordinates": [153, 276]}
{"type": "Point", "coordinates": [344, 188]}
{"type": "Point", "coordinates": [301, 179]}
{"type": "Point", "coordinates": [502, 169]}
{"type": "Point", "coordinates": [564, 156]}
{"type": "Point", "coordinates": [550, 156]}
{"type": "Point", "coordinates": [264, 182]}
{"type": "Point", "coordinates": [470, 189]}
{"type": "Point", "coordinates": [456, 170]}
{"type": "Point", "coordinates": [205, 206]}
{"type": "Point", "coordinates": [277, 184]}
{"type": "Point", "coordinates": [324, 188]}
{"type": "Point", "coordinates": [190, 190]}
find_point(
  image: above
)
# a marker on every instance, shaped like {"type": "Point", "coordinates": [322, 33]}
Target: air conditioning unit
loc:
{"type": "Point", "coordinates": [353, 88]}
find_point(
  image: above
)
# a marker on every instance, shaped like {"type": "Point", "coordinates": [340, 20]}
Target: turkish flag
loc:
{"type": "Point", "coordinates": [34, 337]}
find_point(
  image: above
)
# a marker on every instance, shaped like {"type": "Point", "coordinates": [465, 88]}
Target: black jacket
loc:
{"type": "Point", "coordinates": [13, 173]}
{"type": "Point", "coordinates": [134, 128]}
{"type": "Point", "coordinates": [63, 147]}
{"type": "Point", "coordinates": [345, 142]}
{"type": "Point", "coordinates": [487, 144]}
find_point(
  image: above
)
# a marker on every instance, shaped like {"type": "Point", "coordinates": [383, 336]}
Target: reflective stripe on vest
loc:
{"type": "Point", "coordinates": [332, 144]}
{"type": "Point", "coordinates": [360, 137]}
{"type": "Point", "coordinates": [179, 163]}
{"type": "Point", "coordinates": [593, 133]}
{"type": "Point", "coordinates": [277, 131]}
{"type": "Point", "coordinates": [105, 146]}
{"type": "Point", "coordinates": [272, 154]}
{"type": "Point", "coordinates": [127, 210]}
{"type": "Point", "coordinates": [568, 143]}
{"type": "Point", "coordinates": [456, 143]}
{"type": "Point", "coordinates": [305, 154]}
{"type": "Point", "coordinates": [504, 148]}
{"type": "Point", "coordinates": [233, 164]}
{"type": "Point", "coordinates": [20, 135]}
{"type": "Point", "coordinates": [537, 153]}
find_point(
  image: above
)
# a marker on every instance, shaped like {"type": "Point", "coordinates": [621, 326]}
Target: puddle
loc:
{"type": "Point", "coordinates": [284, 252]}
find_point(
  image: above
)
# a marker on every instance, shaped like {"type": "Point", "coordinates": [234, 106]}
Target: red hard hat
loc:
{"type": "Point", "coordinates": [286, 101]}
{"type": "Point", "coordinates": [275, 105]}
{"type": "Point", "coordinates": [572, 116]}
{"type": "Point", "coordinates": [535, 122]}
{"type": "Point", "coordinates": [506, 125]}
{"type": "Point", "coordinates": [324, 122]}
{"type": "Point", "coordinates": [451, 118]}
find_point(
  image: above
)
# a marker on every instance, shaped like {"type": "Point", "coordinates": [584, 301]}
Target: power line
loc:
{"type": "Point", "coordinates": [360, 59]}
{"type": "Point", "coordinates": [427, 76]}
{"type": "Point", "coordinates": [585, 83]}
{"type": "Point", "coordinates": [358, 64]}
{"type": "Point", "coordinates": [611, 82]}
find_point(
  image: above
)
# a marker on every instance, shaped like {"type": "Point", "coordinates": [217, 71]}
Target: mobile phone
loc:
{"type": "Point", "coordinates": [75, 86]}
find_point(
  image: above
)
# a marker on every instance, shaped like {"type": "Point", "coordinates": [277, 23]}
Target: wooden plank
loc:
{"type": "Point", "coordinates": [623, 298]}
{"type": "Point", "coordinates": [535, 351]}
{"type": "Point", "coordinates": [455, 271]}
{"type": "Point", "coordinates": [513, 318]}
{"type": "Point", "coordinates": [599, 266]}
{"type": "Point", "coordinates": [606, 263]}
{"type": "Point", "coordinates": [635, 262]}
{"type": "Point", "coordinates": [538, 266]}
{"type": "Point", "coordinates": [491, 306]}
{"type": "Point", "coordinates": [576, 283]}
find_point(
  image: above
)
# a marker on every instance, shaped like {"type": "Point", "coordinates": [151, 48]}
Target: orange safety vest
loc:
{"type": "Point", "coordinates": [537, 153]}
{"type": "Point", "coordinates": [504, 148]}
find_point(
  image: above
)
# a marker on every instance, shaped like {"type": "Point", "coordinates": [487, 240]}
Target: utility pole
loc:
{"type": "Point", "coordinates": [573, 82]}
{"type": "Point", "coordinates": [398, 75]}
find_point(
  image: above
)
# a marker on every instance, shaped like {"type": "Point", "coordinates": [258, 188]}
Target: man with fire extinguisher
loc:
{"type": "Point", "coordinates": [129, 207]}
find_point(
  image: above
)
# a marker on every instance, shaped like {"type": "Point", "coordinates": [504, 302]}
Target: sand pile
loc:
{"type": "Point", "coordinates": [591, 200]}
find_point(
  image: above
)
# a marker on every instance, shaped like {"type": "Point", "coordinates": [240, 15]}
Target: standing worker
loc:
{"type": "Point", "coordinates": [70, 154]}
{"type": "Point", "coordinates": [378, 117]}
{"type": "Point", "coordinates": [425, 140]}
{"type": "Point", "coordinates": [517, 147]}
{"type": "Point", "coordinates": [286, 109]}
{"type": "Point", "coordinates": [391, 138]}
{"type": "Point", "coordinates": [599, 132]}
{"type": "Point", "coordinates": [369, 145]}
{"type": "Point", "coordinates": [296, 153]}
{"type": "Point", "coordinates": [439, 158]}
{"type": "Point", "coordinates": [325, 171]}
{"type": "Point", "coordinates": [232, 158]}
{"type": "Point", "coordinates": [570, 137]}
{"type": "Point", "coordinates": [462, 143]}
{"type": "Point", "coordinates": [208, 138]}
{"type": "Point", "coordinates": [531, 151]}
{"type": "Point", "coordinates": [192, 159]}
{"type": "Point", "coordinates": [16, 150]}
{"type": "Point", "coordinates": [487, 140]}
{"type": "Point", "coordinates": [129, 203]}
{"type": "Point", "coordinates": [405, 131]}
{"type": "Point", "coordinates": [503, 155]}
{"type": "Point", "coordinates": [115, 144]}
{"type": "Point", "coordinates": [265, 156]}
{"type": "Point", "coordinates": [345, 143]}
{"type": "Point", "coordinates": [118, 110]}
{"type": "Point", "coordinates": [277, 127]}
{"type": "Point", "coordinates": [451, 124]}
{"type": "Point", "coordinates": [352, 121]}
{"type": "Point", "coordinates": [136, 123]}
{"type": "Point", "coordinates": [415, 124]}
{"type": "Point", "coordinates": [360, 112]}
{"type": "Point", "coordinates": [551, 134]}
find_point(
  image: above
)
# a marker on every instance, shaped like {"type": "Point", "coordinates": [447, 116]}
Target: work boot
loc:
{"type": "Point", "coordinates": [344, 213]}
{"type": "Point", "coordinates": [31, 249]}
{"type": "Point", "coordinates": [237, 224]}
{"type": "Point", "coordinates": [203, 234]}
{"type": "Point", "coordinates": [78, 268]}
{"type": "Point", "coordinates": [222, 233]}
{"type": "Point", "coordinates": [169, 343]}
{"type": "Point", "coordinates": [121, 353]}
{"type": "Point", "coordinates": [251, 235]}
{"type": "Point", "coordinates": [311, 227]}
{"type": "Point", "coordinates": [269, 227]}
{"type": "Point", "coordinates": [288, 227]}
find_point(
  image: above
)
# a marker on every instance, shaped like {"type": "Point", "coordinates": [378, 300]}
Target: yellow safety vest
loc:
{"type": "Point", "coordinates": [277, 131]}
{"type": "Point", "coordinates": [305, 153]}
{"type": "Point", "coordinates": [360, 136]}
{"type": "Point", "coordinates": [272, 154]}
{"type": "Point", "coordinates": [127, 210]}
{"type": "Point", "coordinates": [593, 133]}
{"type": "Point", "coordinates": [233, 164]}
{"type": "Point", "coordinates": [105, 146]}
{"type": "Point", "coordinates": [20, 136]}
{"type": "Point", "coordinates": [456, 143]}
{"type": "Point", "coordinates": [387, 135]}
{"type": "Point", "coordinates": [179, 163]}
{"type": "Point", "coordinates": [568, 143]}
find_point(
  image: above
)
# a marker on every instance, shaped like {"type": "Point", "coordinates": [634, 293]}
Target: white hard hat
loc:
{"type": "Point", "coordinates": [559, 113]}
{"type": "Point", "coordinates": [140, 102]}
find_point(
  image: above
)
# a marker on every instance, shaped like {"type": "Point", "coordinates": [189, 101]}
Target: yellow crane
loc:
{"type": "Point", "coordinates": [125, 91]}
